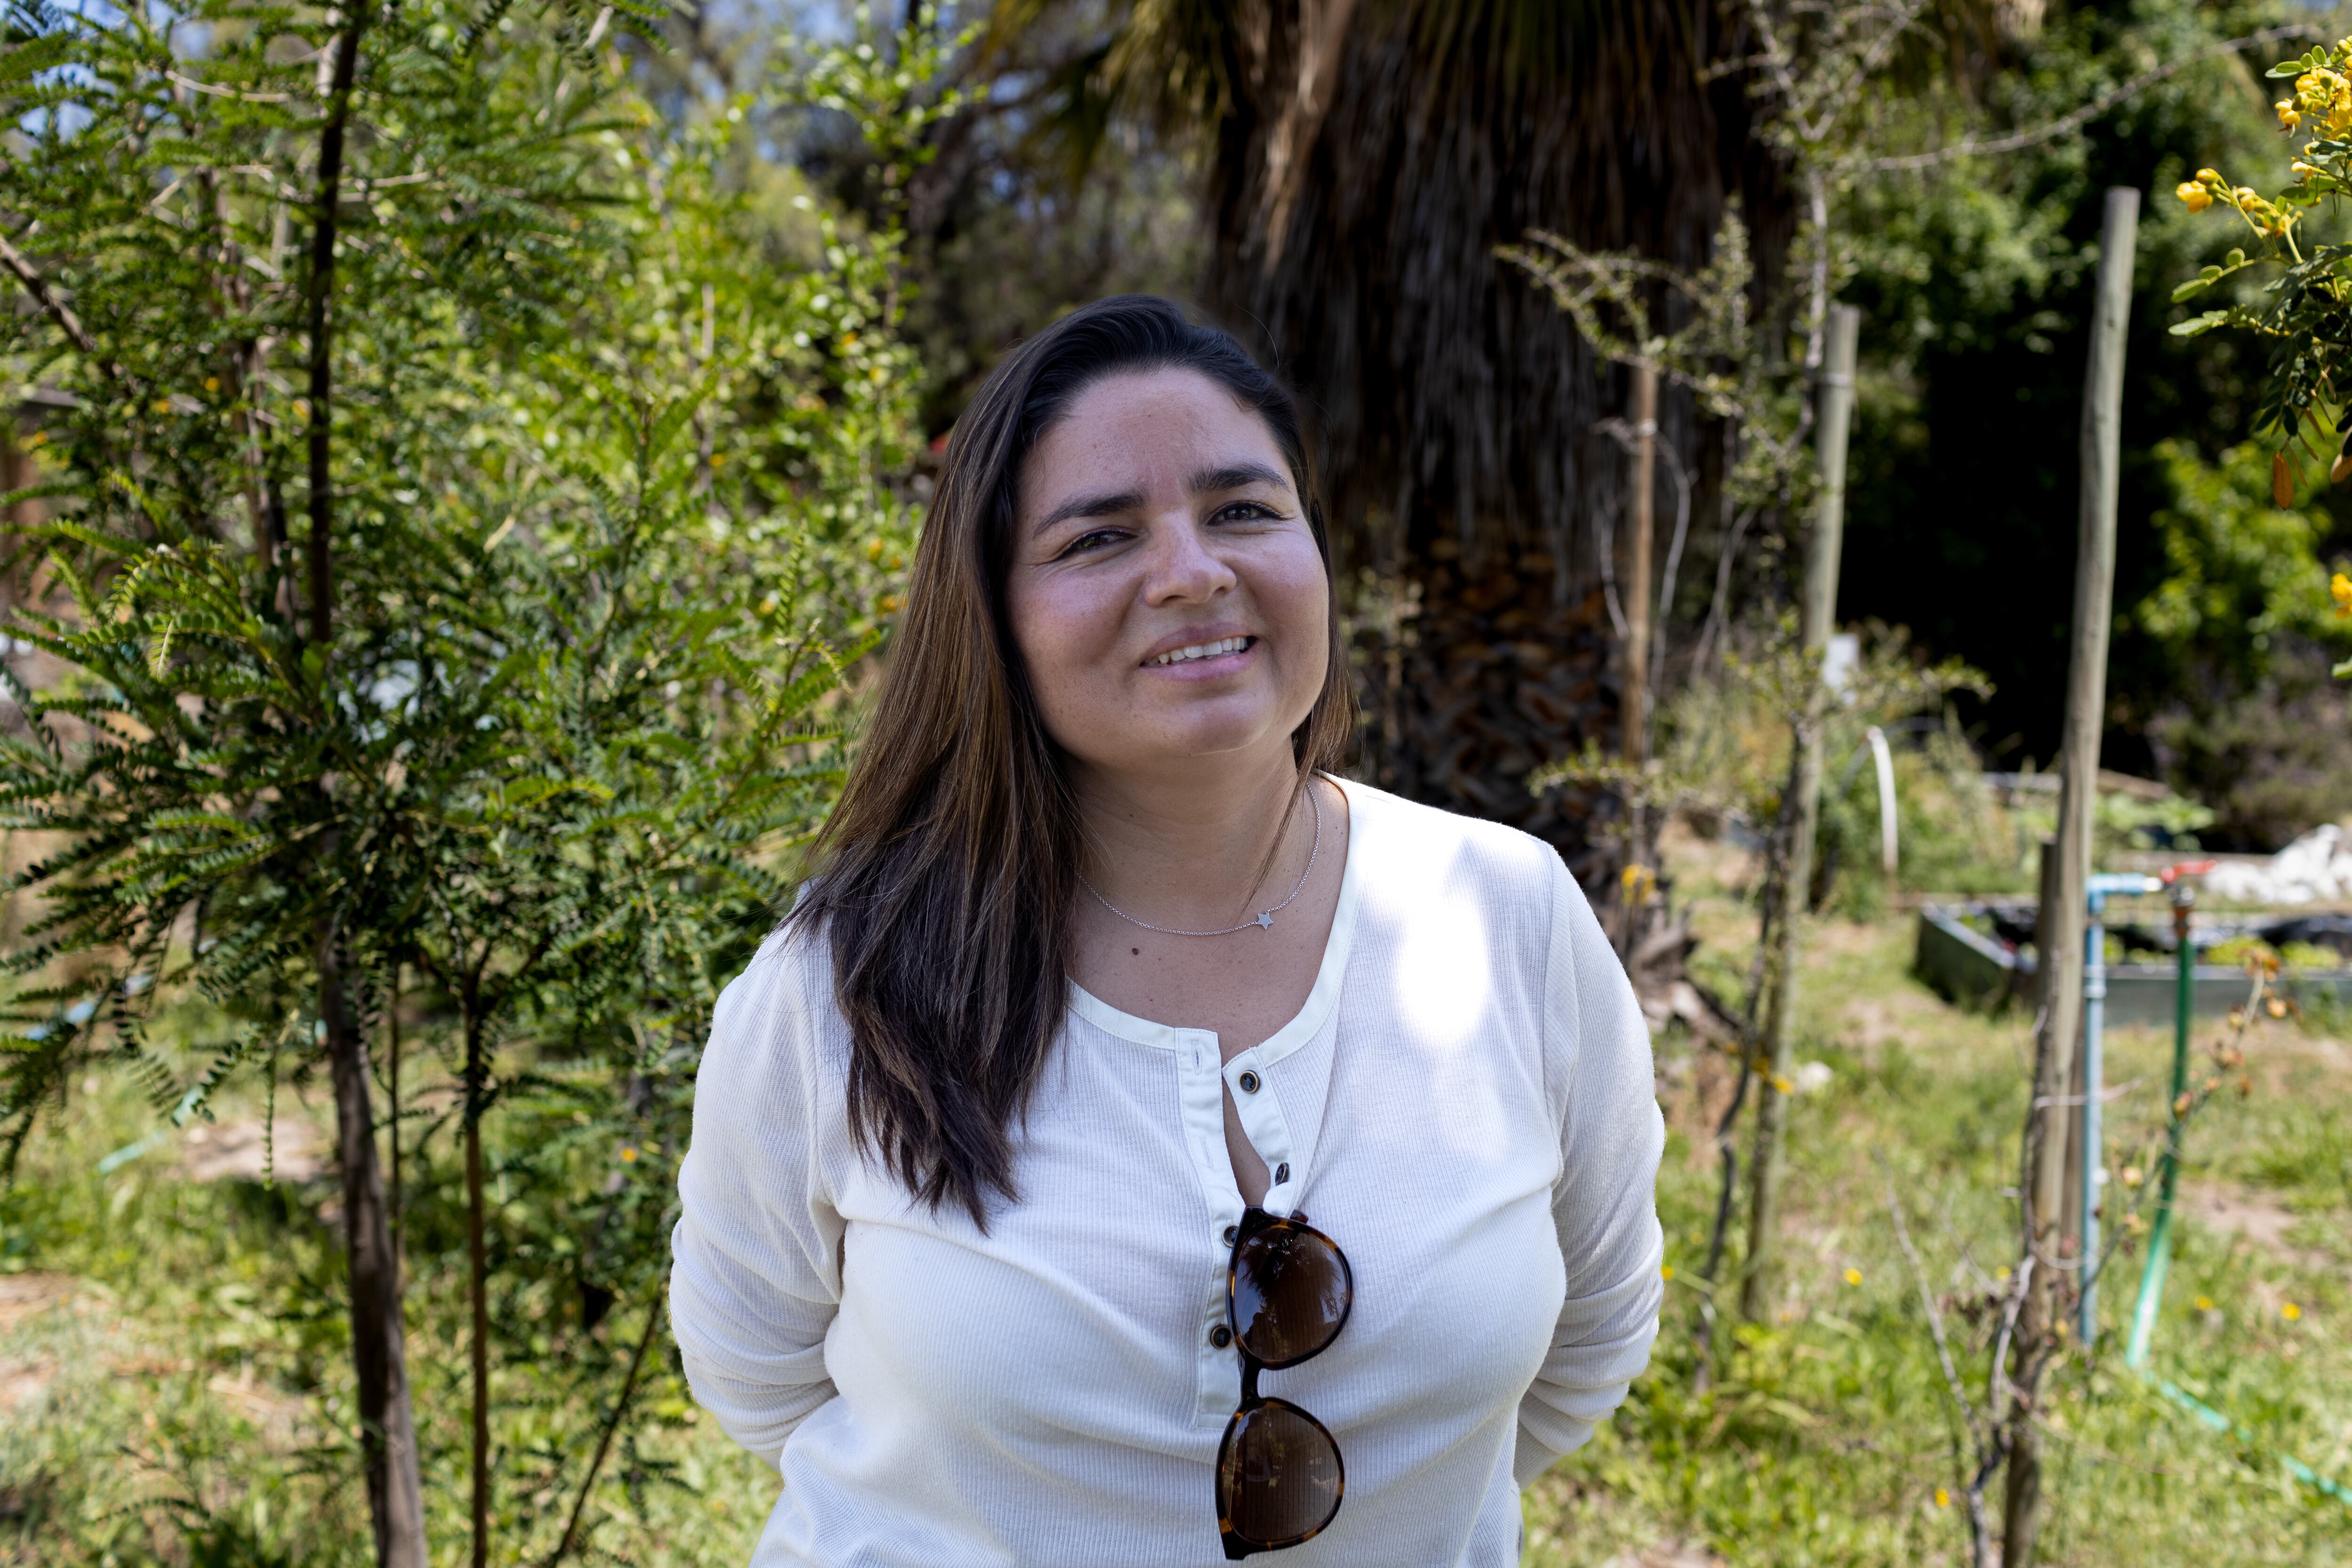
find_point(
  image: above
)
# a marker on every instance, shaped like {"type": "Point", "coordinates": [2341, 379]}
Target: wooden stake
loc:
{"type": "Point", "coordinates": [2059, 936]}
{"type": "Point", "coordinates": [1822, 553]}
{"type": "Point", "coordinates": [1636, 718]}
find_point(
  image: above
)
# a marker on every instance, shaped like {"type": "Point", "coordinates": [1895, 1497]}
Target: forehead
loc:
{"type": "Point", "coordinates": [1136, 428]}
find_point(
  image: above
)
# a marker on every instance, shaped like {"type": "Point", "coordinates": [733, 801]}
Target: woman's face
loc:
{"type": "Point", "coordinates": [1165, 590]}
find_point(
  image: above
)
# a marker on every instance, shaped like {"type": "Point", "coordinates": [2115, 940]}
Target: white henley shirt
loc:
{"type": "Point", "coordinates": [1465, 1104]}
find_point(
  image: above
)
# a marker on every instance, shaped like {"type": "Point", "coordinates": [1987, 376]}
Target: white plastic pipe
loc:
{"type": "Point", "coordinates": [1885, 761]}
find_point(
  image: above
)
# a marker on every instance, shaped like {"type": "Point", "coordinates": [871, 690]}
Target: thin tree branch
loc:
{"type": "Point", "coordinates": [1927, 1299]}
{"type": "Point", "coordinates": [59, 310]}
{"type": "Point", "coordinates": [612, 1425]}
{"type": "Point", "coordinates": [2077, 119]}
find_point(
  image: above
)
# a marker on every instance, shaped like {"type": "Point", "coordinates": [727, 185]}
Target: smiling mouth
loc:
{"type": "Point", "coordinates": [1201, 650]}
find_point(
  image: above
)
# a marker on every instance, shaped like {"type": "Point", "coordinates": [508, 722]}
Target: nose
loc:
{"type": "Point", "coordinates": [1185, 569]}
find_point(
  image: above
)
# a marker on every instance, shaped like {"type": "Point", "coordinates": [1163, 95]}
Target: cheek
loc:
{"type": "Point", "coordinates": [1061, 629]}
{"type": "Point", "coordinates": [1295, 597]}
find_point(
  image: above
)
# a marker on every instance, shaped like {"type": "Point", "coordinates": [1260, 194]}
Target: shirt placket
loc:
{"type": "Point", "coordinates": [1204, 1082]}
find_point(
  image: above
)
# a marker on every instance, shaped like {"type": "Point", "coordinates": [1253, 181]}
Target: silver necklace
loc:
{"type": "Point", "coordinates": [1263, 919]}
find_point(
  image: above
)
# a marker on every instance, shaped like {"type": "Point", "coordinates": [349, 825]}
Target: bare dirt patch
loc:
{"type": "Point", "coordinates": [1668, 1554]}
{"type": "Point", "coordinates": [250, 1149]}
{"type": "Point", "coordinates": [2248, 1215]}
{"type": "Point", "coordinates": [24, 1297]}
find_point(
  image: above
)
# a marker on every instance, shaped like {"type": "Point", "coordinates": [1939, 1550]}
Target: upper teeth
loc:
{"type": "Point", "coordinates": [1203, 650]}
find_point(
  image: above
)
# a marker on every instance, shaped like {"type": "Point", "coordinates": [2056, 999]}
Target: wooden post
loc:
{"type": "Point", "coordinates": [1636, 718]}
{"type": "Point", "coordinates": [1821, 555]}
{"type": "Point", "coordinates": [2059, 936]}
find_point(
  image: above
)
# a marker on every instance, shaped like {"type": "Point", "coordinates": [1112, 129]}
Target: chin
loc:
{"type": "Point", "coordinates": [1207, 735]}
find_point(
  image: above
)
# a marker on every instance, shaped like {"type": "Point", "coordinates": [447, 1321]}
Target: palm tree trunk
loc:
{"type": "Point", "coordinates": [1367, 161]}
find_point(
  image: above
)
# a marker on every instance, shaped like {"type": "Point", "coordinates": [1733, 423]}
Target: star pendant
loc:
{"type": "Point", "coordinates": [1265, 919]}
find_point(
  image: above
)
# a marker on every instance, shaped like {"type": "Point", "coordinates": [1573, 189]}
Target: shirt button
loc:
{"type": "Point", "coordinates": [1232, 1233]}
{"type": "Point", "coordinates": [1248, 1081]}
{"type": "Point", "coordinates": [1221, 1336]}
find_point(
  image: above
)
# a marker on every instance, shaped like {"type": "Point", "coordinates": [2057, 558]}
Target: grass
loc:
{"type": "Point", "coordinates": [174, 1373]}
{"type": "Point", "coordinates": [1829, 1436]}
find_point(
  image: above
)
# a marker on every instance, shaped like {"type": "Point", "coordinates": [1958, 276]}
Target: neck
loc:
{"type": "Point", "coordinates": [1197, 847]}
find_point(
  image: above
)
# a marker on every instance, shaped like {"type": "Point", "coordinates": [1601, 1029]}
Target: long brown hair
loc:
{"type": "Point", "coordinates": [949, 865]}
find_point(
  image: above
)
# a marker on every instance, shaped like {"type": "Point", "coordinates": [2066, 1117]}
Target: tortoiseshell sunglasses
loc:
{"type": "Point", "coordinates": [1288, 1291]}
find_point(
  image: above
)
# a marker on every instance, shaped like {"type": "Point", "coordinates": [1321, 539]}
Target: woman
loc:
{"type": "Point", "coordinates": [996, 1237]}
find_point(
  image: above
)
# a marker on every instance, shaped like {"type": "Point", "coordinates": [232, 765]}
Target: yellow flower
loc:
{"type": "Point", "coordinates": [628, 1155]}
{"type": "Point", "coordinates": [2303, 171]}
{"type": "Point", "coordinates": [1666, 1271]}
{"type": "Point", "coordinates": [2204, 1304]}
{"type": "Point", "coordinates": [1782, 1086]}
{"type": "Point", "coordinates": [1943, 1497]}
{"type": "Point", "coordinates": [2246, 194]}
{"type": "Point", "coordinates": [2194, 196]}
{"type": "Point", "coordinates": [211, 384]}
{"type": "Point", "coordinates": [1853, 1276]}
{"type": "Point", "coordinates": [889, 605]}
{"type": "Point", "coordinates": [2002, 1272]}
{"type": "Point", "coordinates": [2209, 176]}
{"type": "Point", "coordinates": [2339, 588]}
{"type": "Point", "coordinates": [2291, 1312]}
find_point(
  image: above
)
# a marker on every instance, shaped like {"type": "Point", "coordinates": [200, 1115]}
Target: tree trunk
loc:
{"type": "Point", "coordinates": [1494, 671]}
{"type": "Point", "coordinates": [1366, 162]}
{"type": "Point", "coordinates": [1822, 557]}
{"type": "Point", "coordinates": [387, 1428]}
{"type": "Point", "coordinates": [477, 1297]}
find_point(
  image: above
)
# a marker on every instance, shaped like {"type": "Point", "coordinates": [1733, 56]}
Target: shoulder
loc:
{"type": "Point", "coordinates": [1412, 850]}
{"type": "Point", "coordinates": [776, 1027]}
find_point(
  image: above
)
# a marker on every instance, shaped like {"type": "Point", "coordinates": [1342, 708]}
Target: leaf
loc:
{"type": "Point", "coordinates": [29, 59]}
{"type": "Point", "coordinates": [2282, 479]}
{"type": "Point", "coordinates": [2191, 289]}
{"type": "Point", "coordinates": [2197, 325]}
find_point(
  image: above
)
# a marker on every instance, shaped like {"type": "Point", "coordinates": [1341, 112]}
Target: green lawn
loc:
{"type": "Point", "coordinates": [1829, 1433]}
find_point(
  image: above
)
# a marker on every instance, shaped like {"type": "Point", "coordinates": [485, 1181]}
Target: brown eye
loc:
{"type": "Point", "coordinates": [1090, 539]}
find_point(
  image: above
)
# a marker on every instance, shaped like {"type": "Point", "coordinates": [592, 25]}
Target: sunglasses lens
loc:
{"type": "Point", "coordinates": [1278, 1476]}
{"type": "Point", "coordinates": [1291, 1293]}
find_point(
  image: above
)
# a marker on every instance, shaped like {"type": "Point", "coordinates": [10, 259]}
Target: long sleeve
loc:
{"type": "Point", "coordinates": [1605, 1204]}
{"type": "Point", "coordinates": [755, 1274]}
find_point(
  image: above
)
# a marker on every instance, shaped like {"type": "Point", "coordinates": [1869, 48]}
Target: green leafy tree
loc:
{"type": "Point", "coordinates": [454, 531]}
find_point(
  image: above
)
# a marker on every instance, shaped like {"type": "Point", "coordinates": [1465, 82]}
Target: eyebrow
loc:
{"type": "Point", "coordinates": [1232, 477]}
{"type": "Point", "coordinates": [1091, 506]}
